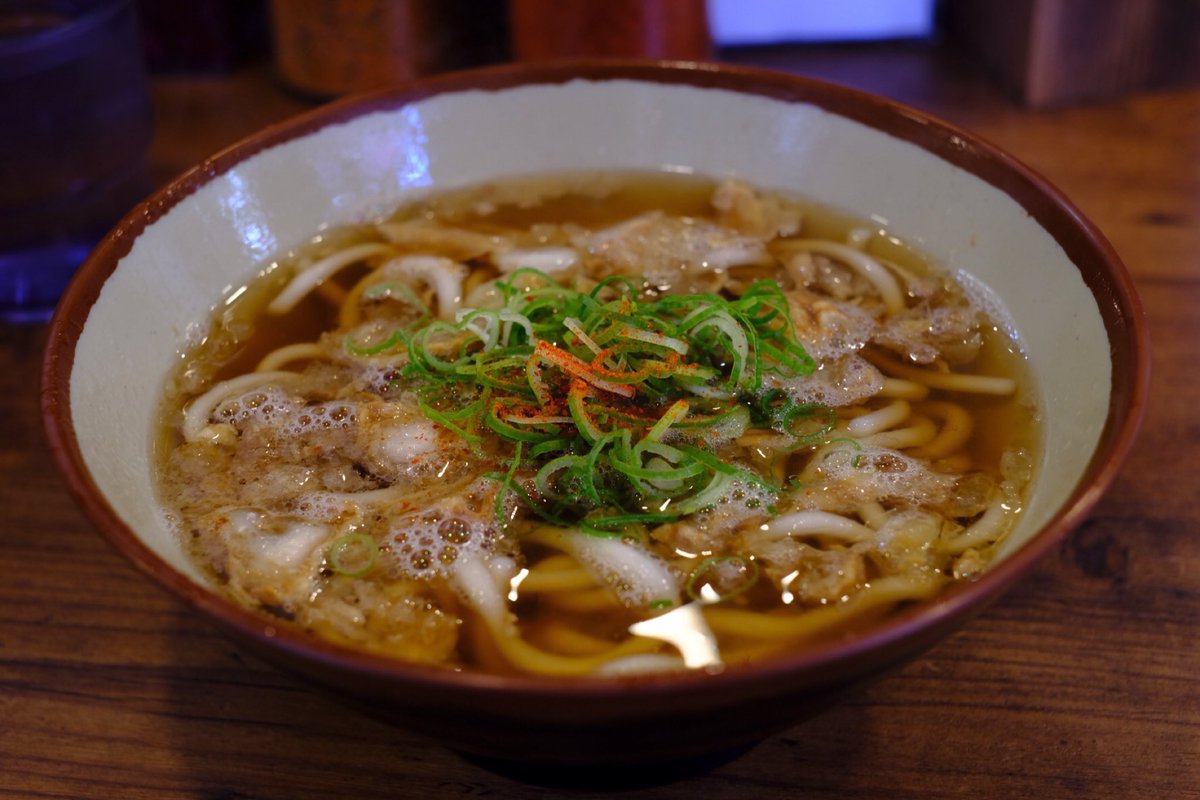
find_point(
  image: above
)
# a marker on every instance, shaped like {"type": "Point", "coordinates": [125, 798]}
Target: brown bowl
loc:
{"type": "Point", "coordinates": [139, 298]}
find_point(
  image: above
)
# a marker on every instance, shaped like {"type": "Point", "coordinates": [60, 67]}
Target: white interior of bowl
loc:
{"type": "Point", "coordinates": [186, 263]}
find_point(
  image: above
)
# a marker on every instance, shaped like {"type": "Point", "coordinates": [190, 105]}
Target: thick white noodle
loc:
{"type": "Point", "coordinates": [642, 576]}
{"type": "Point", "coordinates": [445, 275]}
{"type": "Point", "coordinates": [477, 586]}
{"type": "Point", "coordinates": [921, 432]}
{"type": "Point", "coordinates": [948, 381]}
{"type": "Point", "coordinates": [288, 353]}
{"type": "Point", "coordinates": [307, 280]}
{"type": "Point", "coordinates": [818, 523]}
{"type": "Point", "coordinates": [873, 513]}
{"type": "Point", "coordinates": [972, 384]}
{"type": "Point", "coordinates": [878, 275]}
{"type": "Point", "coordinates": [985, 530]}
{"type": "Point", "coordinates": [956, 429]}
{"type": "Point", "coordinates": [882, 419]}
{"type": "Point", "coordinates": [900, 389]}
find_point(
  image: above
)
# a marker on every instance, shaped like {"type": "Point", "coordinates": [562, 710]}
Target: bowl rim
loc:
{"type": "Point", "coordinates": [901, 635]}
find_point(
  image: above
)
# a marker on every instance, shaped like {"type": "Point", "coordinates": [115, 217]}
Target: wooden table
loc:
{"type": "Point", "coordinates": [1081, 683]}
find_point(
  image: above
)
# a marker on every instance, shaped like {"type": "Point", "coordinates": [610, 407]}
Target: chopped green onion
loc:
{"type": "Point", "coordinates": [674, 414]}
{"type": "Point", "coordinates": [369, 350]}
{"type": "Point", "coordinates": [618, 524]}
{"type": "Point", "coordinates": [577, 403]}
{"type": "Point", "coordinates": [353, 554]}
{"type": "Point", "coordinates": [582, 388]}
{"type": "Point", "coordinates": [506, 485]}
{"type": "Point", "coordinates": [707, 497]}
{"type": "Point", "coordinates": [396, 290]}
{"type": "Point", "coordinates": [514, 432]}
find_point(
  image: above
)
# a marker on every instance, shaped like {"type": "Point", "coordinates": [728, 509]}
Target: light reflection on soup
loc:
{"type": "Point", "coordinates": [596, 424]}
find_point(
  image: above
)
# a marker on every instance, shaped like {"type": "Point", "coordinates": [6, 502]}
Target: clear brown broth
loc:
{"type": "Point", "coordinates": [238, 339]}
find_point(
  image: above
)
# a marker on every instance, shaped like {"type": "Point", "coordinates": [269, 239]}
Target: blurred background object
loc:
{"type": "Point", "coordinates": [761, 22]}
{"type": "Point", "coordinates": [332, 47]}
{"type": "Point", "coordinates": [73, 82]}
{"type": "Point", "coordinates": [75, 130]}
{"type": "Point", "coordinates": [552, 29]}
{"type": "Point", "coordinates": [202, 35]}
{"type": "Point", "coordinates": [1043, 53]}
{"type": "Point", "coordinates": [1057, 52]}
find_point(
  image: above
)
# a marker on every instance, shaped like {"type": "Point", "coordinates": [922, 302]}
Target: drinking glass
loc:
{"type": "Point", "coordinates": [75, 124]}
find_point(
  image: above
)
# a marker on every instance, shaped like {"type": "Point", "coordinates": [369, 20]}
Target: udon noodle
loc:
{"type": "Point", "coordinates": [596, 425]}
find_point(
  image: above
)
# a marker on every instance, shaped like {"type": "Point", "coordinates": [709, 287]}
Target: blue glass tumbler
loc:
{"type": "Point", "coordinates": [75, 124]}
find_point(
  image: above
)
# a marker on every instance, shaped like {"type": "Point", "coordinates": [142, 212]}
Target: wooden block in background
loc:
{"type": "Point", "coordinates": [1058, 52]}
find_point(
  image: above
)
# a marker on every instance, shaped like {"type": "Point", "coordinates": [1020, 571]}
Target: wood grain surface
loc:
{"type": "Point", "coordinates": [1082, 682]}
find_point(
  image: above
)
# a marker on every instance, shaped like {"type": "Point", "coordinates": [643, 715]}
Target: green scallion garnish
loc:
{"type": "Point", "coordinates": [607, 401]}
{"type": "Point", "coordinates": [353, 554]}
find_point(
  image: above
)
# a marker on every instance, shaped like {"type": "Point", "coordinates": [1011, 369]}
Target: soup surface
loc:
{"type": "Point", "coordinates": [596, 424]}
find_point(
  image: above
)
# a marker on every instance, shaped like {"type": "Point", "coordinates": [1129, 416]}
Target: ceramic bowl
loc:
{"type": "Point", "coordinates": [151, 286]}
